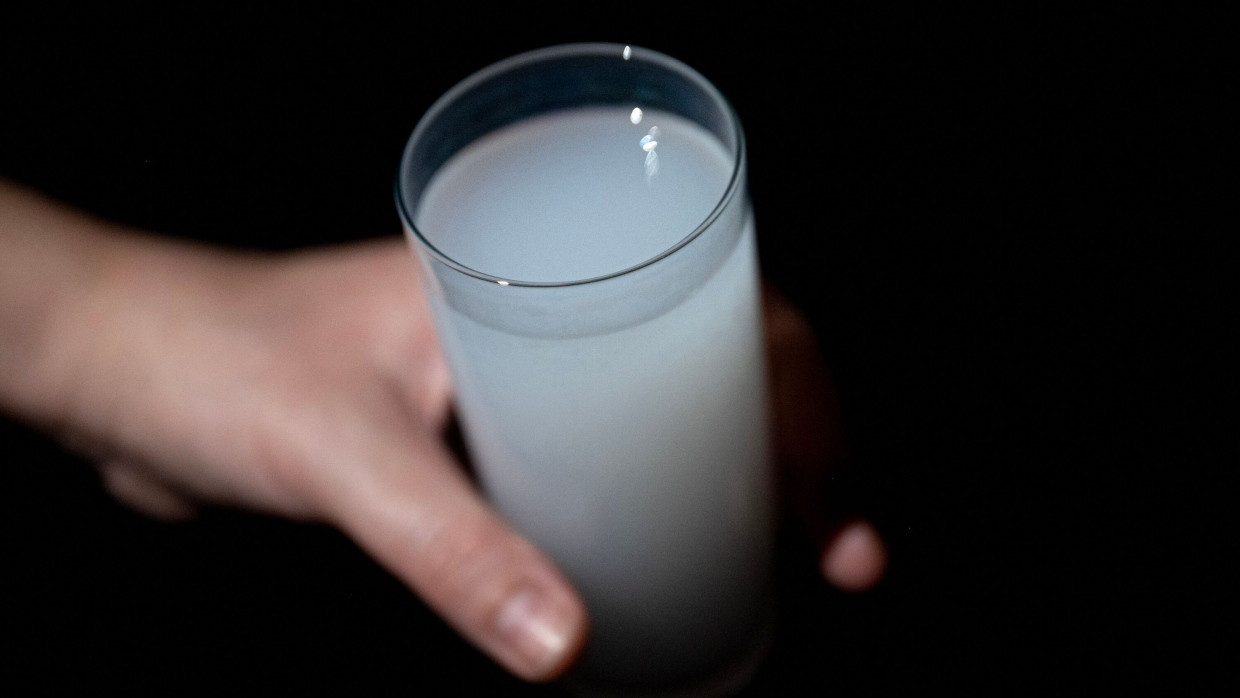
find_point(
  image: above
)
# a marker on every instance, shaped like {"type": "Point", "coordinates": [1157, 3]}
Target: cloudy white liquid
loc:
{"type": "Point", "coordinates": [636, 456]}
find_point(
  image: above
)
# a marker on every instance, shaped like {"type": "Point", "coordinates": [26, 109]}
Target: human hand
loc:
{"type": "Point", "coordinates": [311, 386]}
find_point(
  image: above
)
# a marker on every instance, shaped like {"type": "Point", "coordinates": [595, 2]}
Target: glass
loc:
{"type": "Point", "coordinates": [582, 215]}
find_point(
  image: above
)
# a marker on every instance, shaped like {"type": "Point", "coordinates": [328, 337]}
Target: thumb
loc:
{"type": "Point", "coordinates": [417, 514]}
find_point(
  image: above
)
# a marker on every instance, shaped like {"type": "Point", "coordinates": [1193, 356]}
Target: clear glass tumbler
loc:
{"type": "Point", "coordinates": [582, 215]}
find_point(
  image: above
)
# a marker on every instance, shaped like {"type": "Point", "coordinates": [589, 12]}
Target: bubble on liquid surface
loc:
{"type": "Point", "coordinates": [636, 117]}
{"type": "Point", "coordinates": [627, 53]}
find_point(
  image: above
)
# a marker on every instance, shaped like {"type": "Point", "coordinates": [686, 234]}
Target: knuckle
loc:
{"type": "Point", "coordinates": [466, 559]}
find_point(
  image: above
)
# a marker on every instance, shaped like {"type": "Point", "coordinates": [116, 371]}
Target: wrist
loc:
{"type": "Point", "coordinates": [46, 256]}
{"type": "Point", "coordinates": [82, 302]}
{"type": "Point", "coordinates": [115, 339]}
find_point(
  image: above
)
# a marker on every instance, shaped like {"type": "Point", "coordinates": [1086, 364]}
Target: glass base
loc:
{"type": "Point", "coordinates": [727, 681]}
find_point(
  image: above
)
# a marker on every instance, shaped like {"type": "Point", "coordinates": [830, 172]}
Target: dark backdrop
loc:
{"type": "Point", "coordinates": [958, 202]}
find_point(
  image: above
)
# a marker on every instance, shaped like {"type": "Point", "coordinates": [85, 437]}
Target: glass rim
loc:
{"type": "Point", "coordinates": [628, 52]}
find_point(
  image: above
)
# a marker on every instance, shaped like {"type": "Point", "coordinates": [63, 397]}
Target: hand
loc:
{"type": "Point", "coordinates": [311, 386]}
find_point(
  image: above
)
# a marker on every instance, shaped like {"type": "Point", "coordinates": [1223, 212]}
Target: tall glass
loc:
{"type": "Point", "coordinates": [582, 215]}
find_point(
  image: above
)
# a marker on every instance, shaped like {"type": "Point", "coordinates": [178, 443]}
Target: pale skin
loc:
{"type": "Point", "coordinates": [310, 385]}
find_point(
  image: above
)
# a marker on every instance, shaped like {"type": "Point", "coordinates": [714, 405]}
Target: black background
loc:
{"type": "Point", "coordinates": [972, 209]}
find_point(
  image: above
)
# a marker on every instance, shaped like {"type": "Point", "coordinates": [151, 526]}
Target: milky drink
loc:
{"type": "Point", "coordinates": [619, 423]}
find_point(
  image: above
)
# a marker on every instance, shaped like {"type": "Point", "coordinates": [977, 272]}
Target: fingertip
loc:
{"type": "Point", "coordinates": [429, 526]}
{"type": "Point", "coordinates": [855, 559]}
{"type": "Point", "coordinates": [539, 632]}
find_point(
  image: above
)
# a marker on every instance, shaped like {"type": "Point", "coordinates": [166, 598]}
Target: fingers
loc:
{"type": "Point", "coordinates": [420, 518]}
{"type": "Point", "coordinates": [807, 425]}
{"type": "Point", "coordinates": [810, 449]}
{"type": "Point", "coordinates": [855, 558]}
{"type": "Point", "coordinates": [808, 439]}
{"type": "Point", "coordinates": [132, 486]}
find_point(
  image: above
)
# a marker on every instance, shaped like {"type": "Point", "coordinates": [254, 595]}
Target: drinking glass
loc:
{"type": "Point", "coordinates": [582, 217]}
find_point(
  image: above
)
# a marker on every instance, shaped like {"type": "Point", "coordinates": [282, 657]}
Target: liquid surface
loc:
{"type": "Point", "coordinates": [574, 194]}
